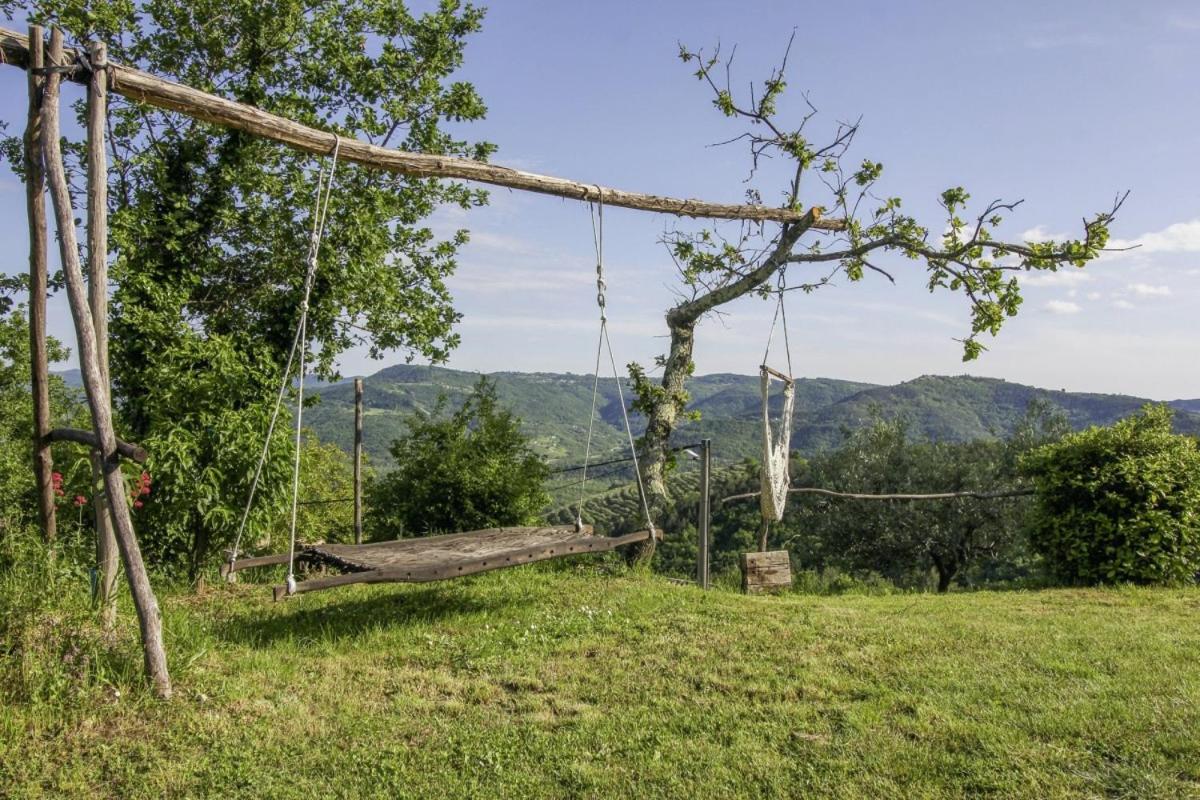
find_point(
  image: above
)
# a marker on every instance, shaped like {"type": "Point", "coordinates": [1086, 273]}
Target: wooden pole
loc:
{"type": "Point", "coordinates": [149, 618]}
{"type": "Point", "coordinates": [134, 452]}
{"type": "Point", "coordinates": [144, 88]}
{"type": "Point", "coordinates": [97, 233]}
{"type": "Point", "coordinates": [705, 512]}
{"type": "Point", "coordinates": [35, 201]}
{"type": "Point", "coordinates": [358, 441]}
{"type": "Point", "coordinates": [997, 495]}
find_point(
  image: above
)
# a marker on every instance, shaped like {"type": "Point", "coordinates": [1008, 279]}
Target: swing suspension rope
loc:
{"type": "Point", "coordinates": [780, 315]}
{"type": "Point", "coordinates": [605, 343]}
{"type": "Point", "coordinates": [299, 345]}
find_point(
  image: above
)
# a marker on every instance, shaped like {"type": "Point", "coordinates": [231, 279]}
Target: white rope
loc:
{"type": "Point", "coordinates": [287, 369]}
{"type": "Point", "coordinates": [597, 213]}
{"type": "Point", "coordinates": [314, 248]}
{"type": "Point", "coordinates": [601, 302]}
{"type": "Point", "coordinates": [262, 459]}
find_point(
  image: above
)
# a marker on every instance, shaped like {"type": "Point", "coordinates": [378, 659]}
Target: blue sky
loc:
{"type": "Point", "coordinates": [1064, 104]}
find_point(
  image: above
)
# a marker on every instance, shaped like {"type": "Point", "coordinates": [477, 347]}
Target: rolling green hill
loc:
{"type": "Point", "coordinates": [555, 409]}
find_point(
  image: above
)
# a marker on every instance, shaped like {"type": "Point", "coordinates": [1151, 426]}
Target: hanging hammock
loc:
{"type": "Point", "coordinates": [776, 446]}
{"type": "Point", "coordinates": [776, 439]}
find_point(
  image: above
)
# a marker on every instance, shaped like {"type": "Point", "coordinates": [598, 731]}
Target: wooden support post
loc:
{"type": "Point", "coordinates": [97, 235]}
{"type": "Point", "coordinates": [358, 437]}
{"type": "Point", "coordinates": [35, 200]}
{"type": "Point", "coordinates": [97, 390]}
{"type": "Point", "coordinates": [107, 555]}
{"type": "Point", "coordinates": [705, 513]}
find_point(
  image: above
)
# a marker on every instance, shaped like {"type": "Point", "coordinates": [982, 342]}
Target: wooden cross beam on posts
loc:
{"type": "Point", "coordinates": [143, 87]}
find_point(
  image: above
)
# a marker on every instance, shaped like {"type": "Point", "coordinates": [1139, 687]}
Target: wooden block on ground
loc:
{"type": "Point", "coordinates": [766, 572]}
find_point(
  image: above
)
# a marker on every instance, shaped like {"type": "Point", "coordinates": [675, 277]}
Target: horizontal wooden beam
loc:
{"type": "Point", "coordinates": [777, 374]}
{"type": "Point", "coordinates": [249, 563]}
{"type": "Point", "coordinates": [134, 452]}
{"type": "Point", "coordinates": [143, 87]}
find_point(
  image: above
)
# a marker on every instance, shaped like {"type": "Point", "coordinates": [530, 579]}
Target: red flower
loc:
{"type": "Point", "coordinates": [138, 504]}
{"type": "Point", "coordinates": [80, 500]}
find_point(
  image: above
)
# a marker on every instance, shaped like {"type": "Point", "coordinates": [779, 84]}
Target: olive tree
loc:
{"type": "Point", "coordinates": [847, 229]}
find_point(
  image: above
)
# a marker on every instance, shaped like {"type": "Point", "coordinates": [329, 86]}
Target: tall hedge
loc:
{"type": "Point", "coordinates": [1119, 503]}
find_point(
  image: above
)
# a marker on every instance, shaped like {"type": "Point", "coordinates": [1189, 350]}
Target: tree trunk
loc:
{"type": "Point", "coordinates": [946, 570]}
{"type": "Point", "coordinates": [660, 424]}
{"type": "Point", "coordinates": [681, 320]}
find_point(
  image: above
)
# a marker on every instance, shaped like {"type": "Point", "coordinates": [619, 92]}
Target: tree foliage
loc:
{"type": "Point", "coordinates": [1119, 503]}
{"type": "Point", "coordinates": [210, 227]}
{"type": "Point", "coordinates": [821, 179]}
{"type": "Point", "coordinates": [18, 499]}
{"type": "Point", "coordinates": [904, 539]}
{"type": "Point", "coordinates": [466, 470]}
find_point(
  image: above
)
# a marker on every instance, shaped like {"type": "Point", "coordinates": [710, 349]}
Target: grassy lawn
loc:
{"type": "Point", "coordinates": [572, 683]}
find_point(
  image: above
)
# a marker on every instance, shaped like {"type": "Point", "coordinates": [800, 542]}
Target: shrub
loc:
{"type": "Point", "coordinates": [1120, 503]}
{"type": "Point", "coordinates": [471, 469]}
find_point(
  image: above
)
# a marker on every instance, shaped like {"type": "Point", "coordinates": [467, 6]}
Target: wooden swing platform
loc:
{"type": "Point", "coordinates": [435, 558]}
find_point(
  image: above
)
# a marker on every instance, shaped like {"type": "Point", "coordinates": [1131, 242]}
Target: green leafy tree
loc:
{"type": "Point", "coordinates": [466, 470]}
{"type": "Point", "coordinates": [864, 231]}
{"type": "Point", "coordinates": [326, 486]}
{"type": "Point", "coordinates": [209, 227]}
{"type": "Point", "coordinates": [904, 540]}
{"type": "Point", "coordinates": [72, 470]}
{"type": "Point", "coordinates": [1119, 503]}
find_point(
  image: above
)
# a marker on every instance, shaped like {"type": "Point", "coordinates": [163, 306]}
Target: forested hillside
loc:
{"type": "Point", "coordinates": [554, 409]}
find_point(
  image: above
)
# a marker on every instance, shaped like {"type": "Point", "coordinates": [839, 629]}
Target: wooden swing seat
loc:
{"type": "Point", "coordinates": [435, 558]}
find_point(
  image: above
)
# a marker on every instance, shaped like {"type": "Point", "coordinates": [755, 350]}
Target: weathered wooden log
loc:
{"type": "Point", "coordinates": [766, 572]}
{"type": "Point", "coordinates": [149, 618]}
{"type": "Point", "coordinates": [228, 568]}
{"type": "Point", "coordinates": [855, 496]}
{"type": "Point", "coordinates": [358, 445]}
{"type": "Point", "coordinates": [145, 88]}
{"type": "Point", "coordinates": [133, 452]}
{"type": "Point", "coordinates": [35, 204]}
{"type": "Point", "coordinates": [107, 557]}
{"type": "Point", "coordinates": [438, 569]}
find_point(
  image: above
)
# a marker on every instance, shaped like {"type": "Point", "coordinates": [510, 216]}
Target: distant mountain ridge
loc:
{"type": "Point", "coordinates": [554, 409]}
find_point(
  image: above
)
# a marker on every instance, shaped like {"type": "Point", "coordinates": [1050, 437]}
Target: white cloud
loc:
{"type": "Point", "coordinates": [1062, 307]}
{"type": "Point", "coordinates": [1093, 295]}
{"type": "Point", "coordinates": [1039, 233]}
{"type": "Point", "coordinates": [1182, 237]}
{"type": "Point", "coordinates": [1068, 276]}
{"type": "Point", "coordinates": [1184, 23]}
{"type": "Point", "coordinates": [1123, 304]}
{"type": "Point", "coordinates": [1146, 290]}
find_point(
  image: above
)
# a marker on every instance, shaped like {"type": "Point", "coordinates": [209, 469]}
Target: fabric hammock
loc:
{"type": "Point", "coordinates": [776, 448]}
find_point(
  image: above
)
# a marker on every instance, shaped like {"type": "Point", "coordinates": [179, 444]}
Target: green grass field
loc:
{"type": "Point", "coordinates": [569, 682]}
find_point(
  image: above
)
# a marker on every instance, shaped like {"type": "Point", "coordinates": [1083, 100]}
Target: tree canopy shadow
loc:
{"type": "Point", "coordinates": [345, 616]}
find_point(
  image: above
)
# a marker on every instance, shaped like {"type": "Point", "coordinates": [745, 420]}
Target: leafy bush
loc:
{"type": "Point", "coordinates": [471, 469]}
{"type": "Point", "coordinates": [1119, 503]}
